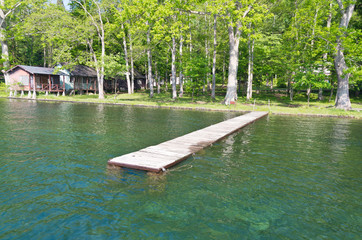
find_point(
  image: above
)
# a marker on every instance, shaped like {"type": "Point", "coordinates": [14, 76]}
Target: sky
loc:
{"type": "Point", "coordinates": [66, 2]}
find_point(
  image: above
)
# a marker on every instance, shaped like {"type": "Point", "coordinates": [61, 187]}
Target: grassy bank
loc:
{"type": "Point", "coordinates": [276, 103]}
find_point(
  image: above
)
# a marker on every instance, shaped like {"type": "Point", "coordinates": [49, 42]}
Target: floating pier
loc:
{"type": "Point", "coordinates": [167, 154]}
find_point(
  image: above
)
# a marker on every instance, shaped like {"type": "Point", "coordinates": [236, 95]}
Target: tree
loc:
{"type": "Point", "coordinates": [95, 19]}
{"type": "Point", "coordinates": [6, 8]}
{"type": "Point", "coordinates": [236, 15]}
{"type": "Point", "coordinates": [342, 98]}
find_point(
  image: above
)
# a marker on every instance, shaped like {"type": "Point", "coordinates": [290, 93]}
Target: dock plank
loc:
{"type": "Point", "coordinates": [167, 154]}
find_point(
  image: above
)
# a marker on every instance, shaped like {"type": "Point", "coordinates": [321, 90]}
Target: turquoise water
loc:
{"type": "Point", "coordinates": [279, 178]}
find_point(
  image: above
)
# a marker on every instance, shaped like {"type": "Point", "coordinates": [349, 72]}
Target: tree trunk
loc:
{"type": "Point", "coordinates": [173, 68]}
{"type": "Point", "coordinates": [181, 93]}
{"type": "Point", "coordinates": [149, 57]}
{"type": "Point", "coordinates": [208, 67]}
{"type": "Point", "coordinates": [166, 74]}
{"type": "Point", "coordinates": [223, 70]}
{"type": "Point", "coordinates": [132, 65]}
{"type": "Point", "coordinates": [146, 75]}
{"type": "Point", "coordinates": [101, 78]}
{"type": "Point", "coordinates": [342, 97]}
{"type": "Point", "coordinates": [234, 37]}
{"type": "Point", "coordinates": [126, 59]}
{"type": "Point", "coordinates": [231, 94]}
{"type": "Point", "coordinates": [331, 95]}
{"type": "Point", "coordinates": [320, 94]}
{"type": "Point", "coordinates": [249, 93]}
{"type": "Point", "coordinates": [308, 93]}
{"type": "Point", "coordinates": [214, 61]}
{"type": "Point", "coordinates": [157, 77]}
{"type": "Point", "coordinates": [4, 43]}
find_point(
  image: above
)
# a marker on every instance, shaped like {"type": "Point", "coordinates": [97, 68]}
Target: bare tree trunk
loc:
{"type": "Point", "coordinates": [166, 74]}
{"type": "Point", "coordinates": [223, 70]}
{"type": "Point", "coordinates": [249, 93]}
{"type": "Point", "coordinates": [146, 75]}
{"type": "Point", "coordinates": [320, 94]}
{"type": "Point", "coordinates": [45, 57]}
{"type": "Point", "coordinates": [4, 43]}
{"type": "Point", "coordinates": [181, 74]}
{"type": "Point", "coordinates": [157, 79]}
{"type": "Point", "coordinates": [214, 61]}
{"type": "Point", "coordinates": [290, 87]}
{"type": "Point", "coordinates": [234, 37]}
{"type": "Point", "coordinates": [331, 95]}
{"type": "Point", "coordinates": [342, 97]}
{"type": "Point", "coordinates": [126, 59]}
{"type": "Point", "coordinates": [308, 93]}
{"type": "Point", "coordinates": [149, 57]}
{"type": "Point", "coordinates": [132, 65]}
{"type": "Point", "coordinates": [231, 94]}
{"type": "Point", "coordinates": [208, 66]}
{"type": "Point", "coordinates": [173, 68]}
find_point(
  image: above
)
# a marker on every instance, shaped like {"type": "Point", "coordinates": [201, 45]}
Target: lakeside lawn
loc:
{"type": "Point", "coordinates": [276, 102]}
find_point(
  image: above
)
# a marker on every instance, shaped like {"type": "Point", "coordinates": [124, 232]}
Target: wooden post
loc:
{"type": "Point", "coordinates": [63, 85]}
{"type": "Point", "coordinates": [50, 83]}
{"type": "Point", "coordinates": [34, 87]}
{"type": "Point", "coordinates": [87, 85]}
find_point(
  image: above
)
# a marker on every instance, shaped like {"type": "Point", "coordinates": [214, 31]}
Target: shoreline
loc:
{"type": "Point", "coordinates": [184, 108]}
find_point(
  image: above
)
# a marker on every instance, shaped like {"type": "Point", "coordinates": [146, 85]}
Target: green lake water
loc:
{"type": "Point", "coordinates": [279, 178]}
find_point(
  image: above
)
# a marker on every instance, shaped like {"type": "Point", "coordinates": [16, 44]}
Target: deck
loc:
{"type": "Point", "coordinates": [167, 154]}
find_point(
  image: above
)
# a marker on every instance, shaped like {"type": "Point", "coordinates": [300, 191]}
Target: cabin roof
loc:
{"type": "Point", "coordinates": [83, 71]}
{"type": "Point", "coordinates": [36, 70]}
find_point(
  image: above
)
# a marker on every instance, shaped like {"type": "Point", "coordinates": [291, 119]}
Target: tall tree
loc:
{"type": "Point", "coordinates": [342, 99]}
{"type": "Point", "coordinates": [6, 8]}
{"type": "Point", "coordinates": [95, 18]}
{"type": "Point", "coordinates": [237, 13]}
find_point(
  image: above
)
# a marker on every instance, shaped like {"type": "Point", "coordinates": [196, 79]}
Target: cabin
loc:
{"type": "Point", "coordinates": [81, 78]}
{"type": "Point", "coordinates": [29, 78]}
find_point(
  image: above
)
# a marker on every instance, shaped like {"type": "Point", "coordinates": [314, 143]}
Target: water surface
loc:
{"type": "Point", "coordinates": [279, 178]}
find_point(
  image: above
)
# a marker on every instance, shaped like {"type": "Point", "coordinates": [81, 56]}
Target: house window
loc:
{"type": "Point", "coordinates": [24, 80]}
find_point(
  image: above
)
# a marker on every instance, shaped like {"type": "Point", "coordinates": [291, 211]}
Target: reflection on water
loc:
{"type": "Point", "coordinates": [279, 178]}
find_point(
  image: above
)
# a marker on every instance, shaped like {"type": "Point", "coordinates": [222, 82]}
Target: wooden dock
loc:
{"type": "Point", "coordinates": [167, 154]}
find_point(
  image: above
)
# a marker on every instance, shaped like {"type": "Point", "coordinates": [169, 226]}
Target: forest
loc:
{"type": "Point", "coordinates": [194, 46]}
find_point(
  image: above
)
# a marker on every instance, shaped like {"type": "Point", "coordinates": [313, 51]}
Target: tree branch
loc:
{"type": "Point", "coordinates": [3, 16]}
{"type": "Point", "coordinates": [93, 20]}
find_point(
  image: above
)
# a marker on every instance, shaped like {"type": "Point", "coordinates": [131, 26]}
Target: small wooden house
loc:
{"type": "Point", "coordinates": [81, 78]}
{"type": "Point", "coordinates": [29, 78]}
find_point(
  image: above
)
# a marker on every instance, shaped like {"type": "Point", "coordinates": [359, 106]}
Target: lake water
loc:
{"type": "Point", "coordinates": [279, 178]}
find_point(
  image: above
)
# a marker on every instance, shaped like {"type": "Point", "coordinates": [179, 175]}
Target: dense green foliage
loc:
{"type": "Point", "coordinates": [295, 40]}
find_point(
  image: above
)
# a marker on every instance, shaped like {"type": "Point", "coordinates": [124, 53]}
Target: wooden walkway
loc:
{"type": "Point", "coordinates": [165, 155]}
